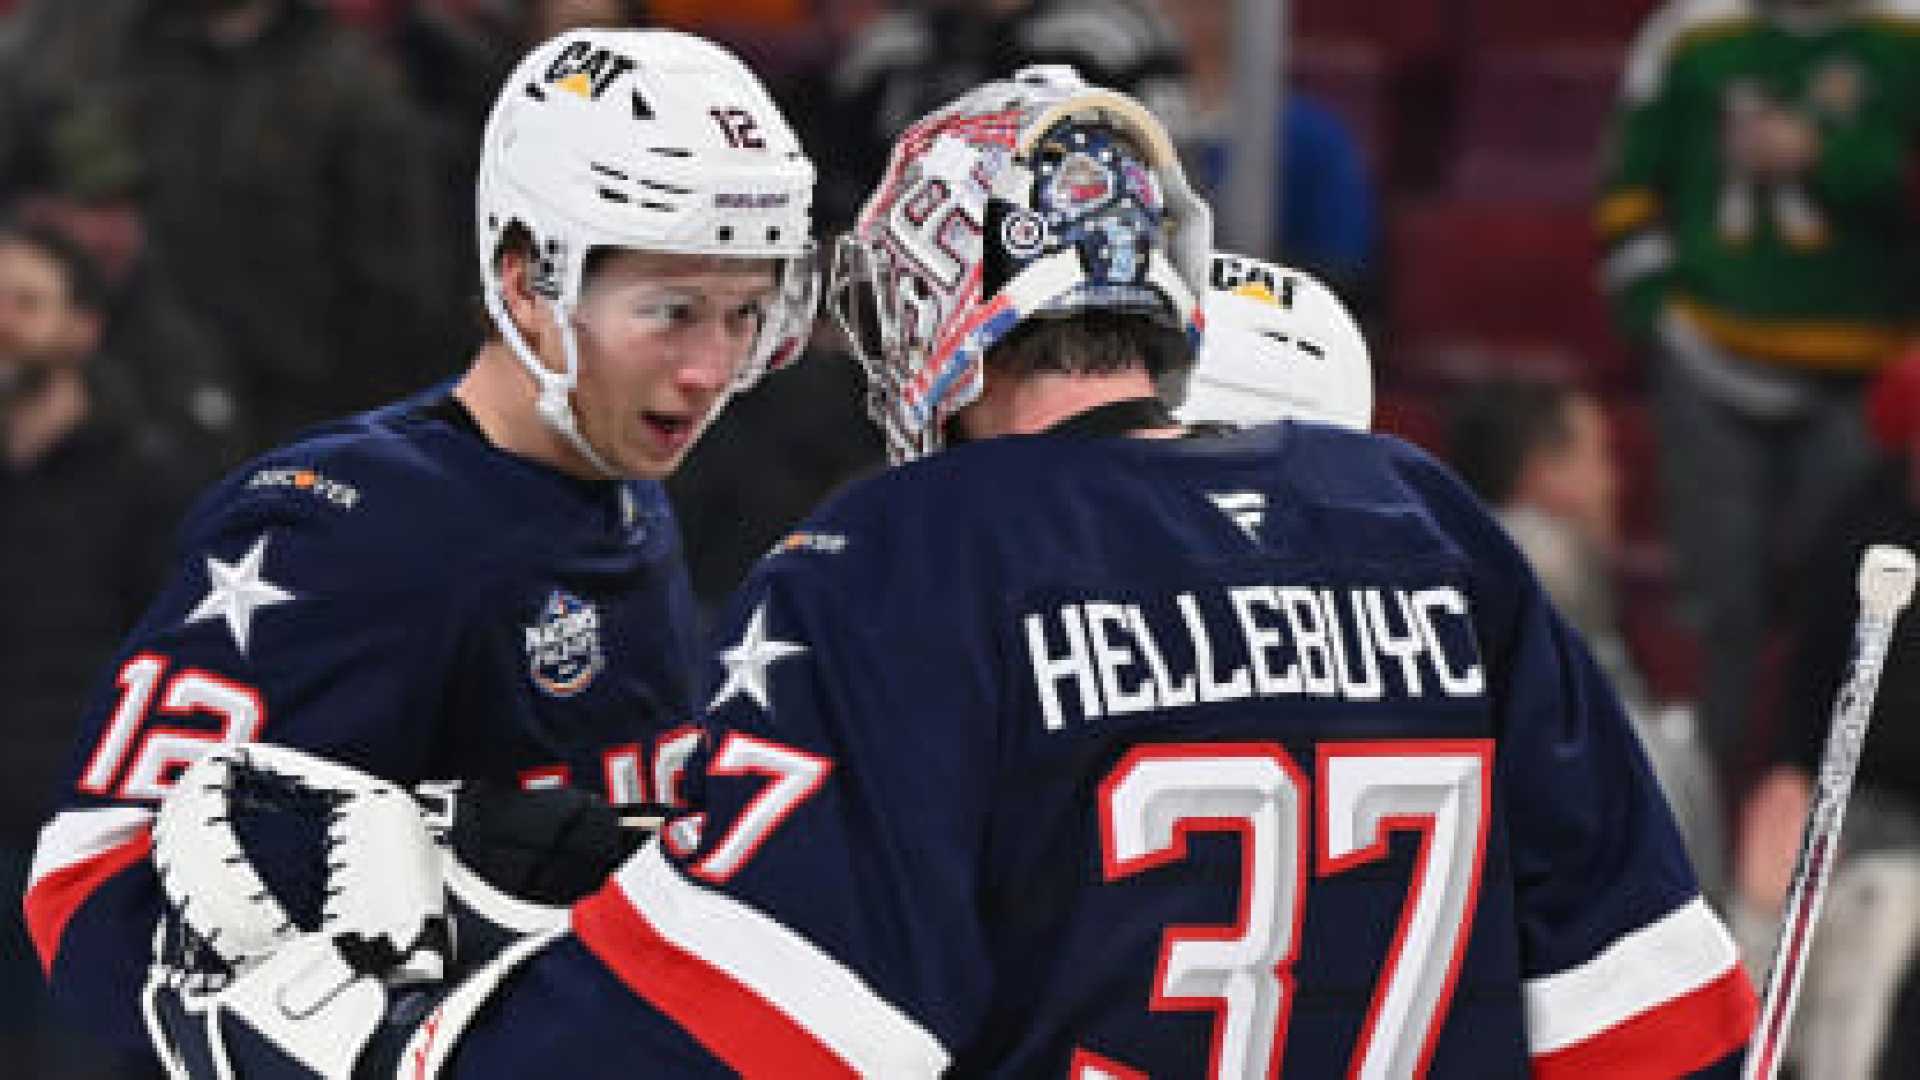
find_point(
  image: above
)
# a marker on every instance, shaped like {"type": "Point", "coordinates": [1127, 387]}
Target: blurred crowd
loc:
{"type": "Point", "coordinates": [1652, 306]}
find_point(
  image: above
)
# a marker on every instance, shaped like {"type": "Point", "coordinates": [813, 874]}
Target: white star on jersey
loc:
{"type": "Point", "coordinates": [747, 662]}
{"type": "Point", "coordinates": [238, 591]}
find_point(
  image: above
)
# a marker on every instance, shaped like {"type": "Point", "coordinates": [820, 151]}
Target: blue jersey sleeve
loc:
{"type": "Point", "coordinates": [280, 621]}
{"type": "Point", "coordinates": [1601, 882]}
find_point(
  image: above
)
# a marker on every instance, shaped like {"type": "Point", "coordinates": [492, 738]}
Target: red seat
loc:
{"type": "Point", "coordinates": [1415, 416]}
{"type": "Point", "coordinates": [1531, 22]}
{"type": "Point", "coordinates": [1407, 29]}
{"type": "Point", "coordinates": [1451, 364]}
{"type": "Point", "coordinates": [1636, 450]}
{"type": "Point", "coordinates": [1532, 123]}
{"type": "Point", "coordinates": [1501, 276]}
{"type": "Point", "coordinates": [373, 15]}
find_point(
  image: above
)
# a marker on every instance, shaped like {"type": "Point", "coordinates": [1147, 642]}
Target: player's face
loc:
{"type": "Point", "coordinates": [661, 338]}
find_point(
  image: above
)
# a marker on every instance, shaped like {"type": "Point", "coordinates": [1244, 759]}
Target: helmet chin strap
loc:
{"type": "Point", "coordinates": [555, 400]}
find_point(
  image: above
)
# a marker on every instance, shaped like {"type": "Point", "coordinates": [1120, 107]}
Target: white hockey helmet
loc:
{"type": "Point", "coordinates": [643, 139]}
{"type": "Point", "coordinates": [1036, 196]}
{"type": "Point", "coordinates": [1279, 344]}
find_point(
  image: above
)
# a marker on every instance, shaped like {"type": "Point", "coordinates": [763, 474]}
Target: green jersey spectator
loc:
{"type": "Point", "coordinates": [1759, 237]}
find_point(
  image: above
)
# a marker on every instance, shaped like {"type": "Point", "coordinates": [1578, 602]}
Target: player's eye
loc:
{"type": "Point", "coordinates": [749, 317]}
{"type": "Point", "coordinates": [669, 313]}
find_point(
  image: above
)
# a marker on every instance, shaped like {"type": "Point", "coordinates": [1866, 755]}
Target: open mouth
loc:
{"type": "Point", "coordinates": [673, 429]}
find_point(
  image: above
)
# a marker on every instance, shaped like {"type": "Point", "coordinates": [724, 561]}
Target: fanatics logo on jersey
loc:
{"type": "Point", "coordinates": [1246, 509]}
{"type": "Point", "coordinates": [563, 647]}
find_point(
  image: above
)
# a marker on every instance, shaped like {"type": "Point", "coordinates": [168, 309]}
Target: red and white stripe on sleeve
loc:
{"type": "Point", "coordinates": [1667, 999]}
{"type": "Point", "coordinates": [78, 851]}
{"type": "Point", "coordinates": [757, 995]}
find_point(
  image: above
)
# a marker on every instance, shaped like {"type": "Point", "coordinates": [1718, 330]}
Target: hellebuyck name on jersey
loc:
{"type": "Point", "coordinates": [1251, 641]}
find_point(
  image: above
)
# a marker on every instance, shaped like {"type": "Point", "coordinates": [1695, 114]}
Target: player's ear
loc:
{"type": "Point", "coordinates": [530, 313]}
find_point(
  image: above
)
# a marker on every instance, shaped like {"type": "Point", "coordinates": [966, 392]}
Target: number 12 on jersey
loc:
{"type": "Point", "coordinates": [1158, 794]}
{"type": "Point", "coordinates": [163, 750]}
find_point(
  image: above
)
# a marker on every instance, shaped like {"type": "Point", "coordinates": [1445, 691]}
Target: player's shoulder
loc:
{"type": "Point", "coordinates": [922, 521]}
{"type": "Point", "coordinates": [1675, 29]}
{"type": "Point", "coordinates": [1336, 461]}
{"type": "Point", "coordinates": [398, 478]}
{"type": "Point", "coordinates": [951, 503]}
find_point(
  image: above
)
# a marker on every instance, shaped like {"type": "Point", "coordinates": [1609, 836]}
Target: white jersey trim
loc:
{"type": "Point", "coordinates": [74, 836]}
{"type": "Point", "coordinates": [1660, 962]}
{"type": "Point", "coordinates": [824, 997]}
{"type": "Point", "coordinates": [1652, 49]}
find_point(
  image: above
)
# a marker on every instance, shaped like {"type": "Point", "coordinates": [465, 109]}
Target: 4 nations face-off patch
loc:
{"type": "Point", "coordinates": [564, 654]}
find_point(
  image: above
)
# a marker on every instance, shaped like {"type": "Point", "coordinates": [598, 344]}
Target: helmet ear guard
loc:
{"type": "Point", "coordinates": [1031, 197]}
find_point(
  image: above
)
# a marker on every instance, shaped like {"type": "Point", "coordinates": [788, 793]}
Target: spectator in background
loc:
{"type": "Point", "coordinates": [1760, 248]}
{"type": "Point", "coordinates": [88, 500]}
{"type": "Point", "coordinates": [276, 186]}
{"type": "Point", "coordinates": [925, 53]}
{"type": "Point", "coordinates": [1869, 933]}
{"type": "Point", "coordinates": [87, 183]}
{"type": "Point", "coordinates": [1328, 220]}
{"type": "Point", "coordinates": [1539, 452]}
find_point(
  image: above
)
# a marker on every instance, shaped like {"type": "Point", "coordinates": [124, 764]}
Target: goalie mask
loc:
{"type": "Point", "coordinates": [649, 140]}
{"type": "Point", "coordinates": [1031, 198]}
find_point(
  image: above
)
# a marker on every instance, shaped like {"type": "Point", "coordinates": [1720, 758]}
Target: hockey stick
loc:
{"type": "Point", "coordinates": [1886, 585]}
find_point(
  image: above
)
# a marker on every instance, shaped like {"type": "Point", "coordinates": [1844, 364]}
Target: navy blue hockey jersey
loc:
{"type": "Point", "coordinates": [394, 592]}
{"type": "Point", "coordinates": [1095, 759]}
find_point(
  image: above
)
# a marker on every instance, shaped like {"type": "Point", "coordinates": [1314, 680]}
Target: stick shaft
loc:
{"type": "Point", "coordinates": [1819, 842]}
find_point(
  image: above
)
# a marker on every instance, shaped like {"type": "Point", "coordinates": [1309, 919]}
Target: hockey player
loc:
{"type": "Point", "coordinates": [1088, 748]}
{"type": "Point", "coordinates": [483, 582]}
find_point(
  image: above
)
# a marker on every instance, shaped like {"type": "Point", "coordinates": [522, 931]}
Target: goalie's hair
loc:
{"type": "Point", "coordinates": [1092, 342]}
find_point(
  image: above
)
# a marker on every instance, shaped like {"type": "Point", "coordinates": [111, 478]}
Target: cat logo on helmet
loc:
{"type": "Point", "coordinates": [1232, 273]}
{"type": "Point", "coordinates": [587, 70]}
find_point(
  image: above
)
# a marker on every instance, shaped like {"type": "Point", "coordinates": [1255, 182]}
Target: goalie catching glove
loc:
{"type": "Point", "coordinates": [301, 896]}
{"type": "Point", "coordinates": [311, 908]}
